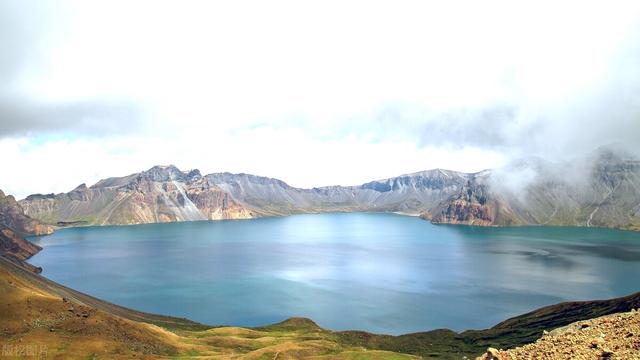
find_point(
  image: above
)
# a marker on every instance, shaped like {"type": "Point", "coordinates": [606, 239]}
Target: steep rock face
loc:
{"type": "Point", "coordinates": [13, 245]}
{"type": "Point", "coordinates": [469, 206]}
{"type": "Point", "coordinates": [476, 204]}
{"type": "Point", "coordinates": [160, 194]}
{"type": "Point", "coordinates": [12, 216]}
{"type": "Point", "coordinates": [14, 224]}
{"type": "Point", "coordinates": [217, 204]}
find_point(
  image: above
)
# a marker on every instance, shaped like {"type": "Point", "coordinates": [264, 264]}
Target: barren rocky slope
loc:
{"type": "Point", "coordinates": [13, 246]}
{"type": "Point", "coordinates": [160, 194]}
{"type": "Point", "coordinates": [12, 216]}
{"type": "Point", "coordinates": [609, 337]}
{"type": "Point", "coordinates": [604, 191]}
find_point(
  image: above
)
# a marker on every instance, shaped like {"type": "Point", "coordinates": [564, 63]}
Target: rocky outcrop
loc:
{"type": "Point", "coordinates": [470, 206]}
{"type": "Point", "coordinates": [14, 224]}
{"type": "Point", "coordinates": [476, 204]}
{"type": "Point", "coordinates": [12, 216]}
{"type": "Point", "coordinates": [609, 337]}
{"type": "Point", "coordinates": [13, 245]}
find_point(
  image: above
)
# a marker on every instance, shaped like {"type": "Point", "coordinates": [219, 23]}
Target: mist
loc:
{"type": "Point", "coordinates": [397, 88]}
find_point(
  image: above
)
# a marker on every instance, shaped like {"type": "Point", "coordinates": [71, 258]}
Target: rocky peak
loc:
{"type": "Point", "coordinates": [194, 174]}
{"type": "Point", "coordinates": [7, 200]}
{"type": "Point", "coordinates": [429, 179]}
{"type": "Point", "coordinates": [81, 187]}
{"type": "Point", "coordinates": [163, 173]}
{"type": "Point", "coordinates": [612, 167]}
{"type": "Point", "coordinates": [169, 173]}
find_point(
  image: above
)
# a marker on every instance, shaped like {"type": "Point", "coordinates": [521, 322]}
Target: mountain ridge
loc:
{"type": "Point", "coordinates": [606, 193]}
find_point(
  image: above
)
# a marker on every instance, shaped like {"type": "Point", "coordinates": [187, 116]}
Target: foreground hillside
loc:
{"type": "Point", "coordinates": [41, 318]}
{"type": "Point", "coordinates": [68, 324]}
{"type": "Point", "coordinates": [608, 337]}
{"type": "Point", "coordinates": [604, 190]}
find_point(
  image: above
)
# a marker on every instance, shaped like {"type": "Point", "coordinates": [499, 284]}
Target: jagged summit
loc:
{"type": "Point", "coordinates": [166, 173]}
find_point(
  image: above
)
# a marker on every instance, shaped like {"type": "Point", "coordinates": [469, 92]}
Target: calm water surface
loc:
{"type": "Point", "coordinates": [378, 272]}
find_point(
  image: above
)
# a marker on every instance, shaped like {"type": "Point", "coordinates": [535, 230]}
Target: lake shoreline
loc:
{"type": "Point", "coordinates": [510, 333]}
{"type": "Point", "coordinates": [377, 222]}
{"type": "Point", "coordinates": [83, 224]}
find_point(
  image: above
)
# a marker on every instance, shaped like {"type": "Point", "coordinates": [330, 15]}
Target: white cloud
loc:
{"type": "Point", "coordinates": [313, 93]}
{"type": "Point", "coordinates": [61, 165]}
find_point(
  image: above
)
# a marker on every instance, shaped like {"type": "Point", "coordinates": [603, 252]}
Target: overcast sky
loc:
{"type": "Point", "coordinates": [314, 93]}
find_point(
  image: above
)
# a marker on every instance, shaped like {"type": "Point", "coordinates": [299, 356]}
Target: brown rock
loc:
{"type": "Point", "coordinates": [12, 216]}
{"type": "Point", "coordinates": [491, 354]}
{"type": "Point", "coordinates": [606, 353]}
{"type": "Point", "coordinates": [607, 337]}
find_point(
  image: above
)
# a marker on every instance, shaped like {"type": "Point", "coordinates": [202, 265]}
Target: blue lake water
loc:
{"type": "Point", "coordinates": [383, 273]}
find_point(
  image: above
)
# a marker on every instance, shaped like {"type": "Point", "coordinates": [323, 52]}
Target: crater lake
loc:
{"type": "Point", "coordinates": [382, 273]}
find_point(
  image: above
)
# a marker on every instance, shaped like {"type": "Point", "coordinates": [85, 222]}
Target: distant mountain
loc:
{"type": "Point", "coordinates": [160, 194]}
{"type": "Point", "coordinates": [410, 193]}
{"type": "Point", "coordinates": [166, 194]}
{"type": "Point", "coordinates": [605, 191]}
